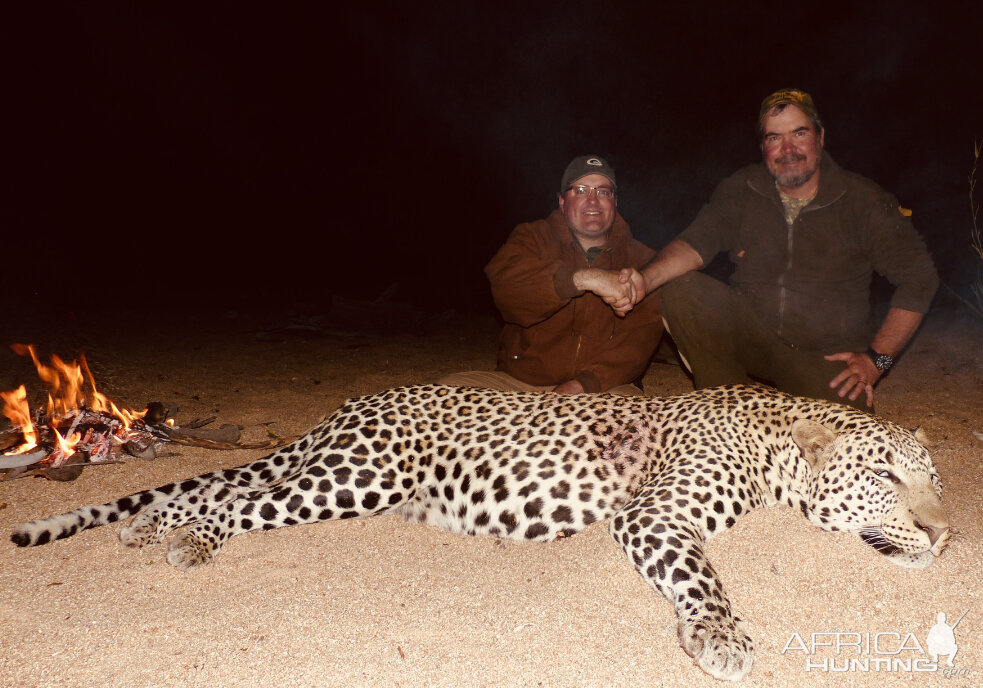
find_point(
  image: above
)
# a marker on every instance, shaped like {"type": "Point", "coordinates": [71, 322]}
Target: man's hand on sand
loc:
{"type": "Point", "coordinates": [860, 375]}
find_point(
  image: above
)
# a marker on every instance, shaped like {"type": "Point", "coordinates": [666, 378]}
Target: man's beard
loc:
{"type": "Point", "coordinates": [794, 181]}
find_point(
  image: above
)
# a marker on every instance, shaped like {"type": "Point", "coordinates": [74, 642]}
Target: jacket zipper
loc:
{"type": "Point", "coordinates": [783, 291]}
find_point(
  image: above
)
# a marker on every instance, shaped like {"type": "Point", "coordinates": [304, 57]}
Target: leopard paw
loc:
{"type": "Point", "coordinates": [143, 530]}
{"type": "Point", "coordinates": [188, 551]}
{"type": "Point", "coordinates": [721, 648]}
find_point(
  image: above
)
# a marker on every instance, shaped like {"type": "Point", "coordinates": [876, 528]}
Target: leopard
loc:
{"type": "Point", "coordinates": [668, 473]}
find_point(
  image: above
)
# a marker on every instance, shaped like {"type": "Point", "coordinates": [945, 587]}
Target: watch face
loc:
{"type": "Point", "coordinates": [883, 362]}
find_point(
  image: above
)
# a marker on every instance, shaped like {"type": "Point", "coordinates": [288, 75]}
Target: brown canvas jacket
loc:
{"type": "Point", "coordinates": [810, 282]}
{"type": "Point", "coordinates": [554, 332]}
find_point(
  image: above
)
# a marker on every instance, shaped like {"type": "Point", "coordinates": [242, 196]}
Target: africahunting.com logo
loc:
{"type": "Point", "coordinates": [891, 651]}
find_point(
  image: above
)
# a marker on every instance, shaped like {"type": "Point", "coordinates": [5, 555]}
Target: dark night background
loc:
{"type": "Point", "coordinates": [214, 155]}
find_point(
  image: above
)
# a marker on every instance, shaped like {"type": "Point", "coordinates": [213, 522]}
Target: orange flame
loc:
{"type": "Point", "coordinates": [16, 409]}
{"type": "Point", "coordinates": [66, 447]}
{"type": "Point", "coordinates": [101, 403]}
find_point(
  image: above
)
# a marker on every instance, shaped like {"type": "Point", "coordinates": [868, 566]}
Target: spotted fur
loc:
{"type": "Point", "coordinates": [669, 473]}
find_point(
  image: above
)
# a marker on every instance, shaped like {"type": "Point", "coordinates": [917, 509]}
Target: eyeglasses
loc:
{"type": "Point", "coordinates": [602, 192]}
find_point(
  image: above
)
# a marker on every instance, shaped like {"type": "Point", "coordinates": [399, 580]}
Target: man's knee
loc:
{"type": "Point", "coordinates": [700, 304]}
{"type": "Point", "coordinates": [683, 293]}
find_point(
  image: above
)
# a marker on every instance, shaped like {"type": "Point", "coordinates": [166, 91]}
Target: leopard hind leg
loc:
{"type": "Point", "coordinates": [151, 525]}
{"type": "Point", "coordinates": [264, 472]}
{"type": "Point", "coordinates": [310, 497]}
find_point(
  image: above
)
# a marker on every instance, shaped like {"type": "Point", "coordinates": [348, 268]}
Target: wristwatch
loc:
{"type": "Point", "coordinates": [882, 362]}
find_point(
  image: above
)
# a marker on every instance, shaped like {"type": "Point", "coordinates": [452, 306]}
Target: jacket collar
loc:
{"type": "Point", "coordinates": [619, 231]}
{"type": "Point", "coordinates": [832, 184]}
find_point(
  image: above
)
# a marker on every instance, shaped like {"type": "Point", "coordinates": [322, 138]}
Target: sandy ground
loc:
{"type": "Point", "coordinates": [385, 603]}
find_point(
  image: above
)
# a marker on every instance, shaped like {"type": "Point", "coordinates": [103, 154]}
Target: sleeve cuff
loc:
{"type": "Point", "coordinates": [563, 283]}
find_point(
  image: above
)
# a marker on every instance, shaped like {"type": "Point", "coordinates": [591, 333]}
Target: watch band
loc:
{"type": "Point", "coordinates": [882, 362]}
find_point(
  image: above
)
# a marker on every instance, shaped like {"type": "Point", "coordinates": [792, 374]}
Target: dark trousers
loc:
{"type": "Point", "coordinates": [722, 342]}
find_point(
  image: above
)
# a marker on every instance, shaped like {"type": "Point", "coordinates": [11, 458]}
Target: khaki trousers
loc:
{"type": "Point", "coordinates": [722, 342]}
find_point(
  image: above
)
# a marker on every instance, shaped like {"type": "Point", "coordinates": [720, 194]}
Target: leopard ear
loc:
{"type": "Point", "coordinates": [922, 437]}
{"type": "Point", "coordinates": [812, 438]}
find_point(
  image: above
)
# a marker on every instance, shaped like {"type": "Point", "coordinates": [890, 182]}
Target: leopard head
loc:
{"type": "Point", "coordinates": [873, 478]}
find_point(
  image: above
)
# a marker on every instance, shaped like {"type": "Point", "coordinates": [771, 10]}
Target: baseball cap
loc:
{"type": "Point", "coordinates": [583, 166]}
{"type": "Point", "coordinates": [790, 96]}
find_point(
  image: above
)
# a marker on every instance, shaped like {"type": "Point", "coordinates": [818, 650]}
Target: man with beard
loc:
{"type": "Point", "coordinates": [804, 237]}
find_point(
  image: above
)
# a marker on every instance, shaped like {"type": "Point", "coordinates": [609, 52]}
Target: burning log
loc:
{"type": "Point", "coordinates": [74, 432]}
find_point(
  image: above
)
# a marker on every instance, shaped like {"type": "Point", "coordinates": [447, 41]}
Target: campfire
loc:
{"type": "Point", "coordinates": [79, 426]}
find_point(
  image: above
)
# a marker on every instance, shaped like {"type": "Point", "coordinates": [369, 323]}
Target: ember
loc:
{"type": "Point", "coordinates": [79, 426]}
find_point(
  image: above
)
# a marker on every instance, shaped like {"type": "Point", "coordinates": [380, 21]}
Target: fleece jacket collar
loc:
{"type": "Point", "coordinates": [832, 185]}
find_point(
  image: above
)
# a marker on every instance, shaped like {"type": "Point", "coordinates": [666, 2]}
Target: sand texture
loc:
{"type": "Point", "coordinates": [381, 602]}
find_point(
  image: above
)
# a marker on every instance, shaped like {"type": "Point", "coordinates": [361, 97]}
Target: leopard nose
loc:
{"type": "Point", "coordinates": [933, 532]}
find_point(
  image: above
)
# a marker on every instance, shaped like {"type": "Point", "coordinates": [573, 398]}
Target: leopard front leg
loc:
{"type": "Point", "coordinates": [667, 548]}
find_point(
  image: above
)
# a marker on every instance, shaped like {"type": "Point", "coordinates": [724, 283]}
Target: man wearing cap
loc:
{"type": "Point", "coordinates": [558, 335]}
{"type": "Point", "coordinates": [804, 237]}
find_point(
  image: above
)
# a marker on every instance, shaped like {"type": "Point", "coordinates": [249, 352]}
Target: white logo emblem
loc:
{"type": "Point", "coordinates": [595, 162]}
{"type": "Point", "coordinates": [885, 651]}
{"type": "Point", "coordinates": [942, 639]}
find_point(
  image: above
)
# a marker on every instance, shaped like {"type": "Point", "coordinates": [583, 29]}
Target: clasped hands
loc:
{"type": "Point", "coordinates": [621, 290]}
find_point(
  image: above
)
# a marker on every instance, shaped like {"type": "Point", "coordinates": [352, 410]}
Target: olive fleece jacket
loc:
{"type": "Point", "coordinates": [810, 281]}
{"type": "Point", "coordinates": [554, 332]}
